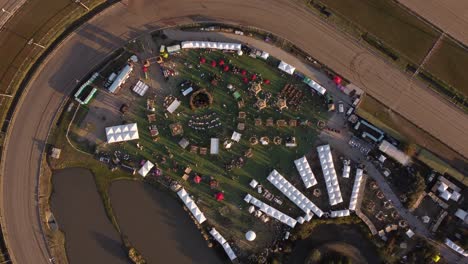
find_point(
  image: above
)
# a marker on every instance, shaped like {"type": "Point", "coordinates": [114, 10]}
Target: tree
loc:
{"type": "Point", "coordinates": [411, 149]}
{"type": "Point", "coordinates": [315, 256]}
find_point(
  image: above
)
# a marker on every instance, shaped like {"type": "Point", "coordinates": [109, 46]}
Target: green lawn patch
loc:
{"type": "Point", "coordinates": [441, 166]}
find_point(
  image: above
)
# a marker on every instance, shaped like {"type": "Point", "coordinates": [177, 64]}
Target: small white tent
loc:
{"type": "Point", "coordinates": [145, 169]}
{"type": "Point", "coordinates": [286, 67]}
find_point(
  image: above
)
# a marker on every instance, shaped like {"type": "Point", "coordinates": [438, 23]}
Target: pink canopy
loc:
{"type": "Point", "coordinates": [243, 72]}
{"type": "Point", "coordinates": [266, 81]}
{"type": "Point", "coordinates": [226, 68]}
{"type": "Point", "coordinates": [213, 63]}
{"type": "Point", "coordinates": [219, 196]}
{"type": "Point", "coordinates": [245, 80]}
{"type": "Point", "coordinates": [197, 179]}
{"type": "Point", "coordinates": [202, 60]}
{"type": "Point", "coordinates": [221, 62]}
{"type": "Point", "coordinates": [254, 77]}
{"type": "Point", "coordinates": [337, 80]}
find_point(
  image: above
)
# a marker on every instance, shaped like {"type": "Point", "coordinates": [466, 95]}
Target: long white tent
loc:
{"type": "Point", "coordinates": [122, 133]}
{"type": "Point", "coordinates": [121, 78]}
{"type": "Point", "coordinates": [339, 213]}
{"type": "Point", "coordinates": [456, 247]}
{"type": "Point", "coordinates": [356, 189]}
{"type": "Point", "coordinates": [315, 85]}
{"type": "Point", "coordinates": [214, 146]}
{"type": "Point", "coordinates": [307, 176]}
{"type": "Point", "coordinates": [329, 173]}
{"type": "Point", "coordinates": [222, 241]}
{"type": "Point", "coordinates": [210, 45]}
{"type": "Point", "coordinates": [293, 194]}
{"type": "Point", "coordinates": [346, 171]}
{"type": "Point", "coordinates": [143, 171]}
{"type": "Point", "coordinates": [392, 151]}
{"type": "Point", "coordinates": [193, 208]}
{"type": "Point", "coordinates": [271, 211]}
{"type": "Point", "coordinates": [286, 67]}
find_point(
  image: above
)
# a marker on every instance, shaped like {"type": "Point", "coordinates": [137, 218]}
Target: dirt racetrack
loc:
{"type": "Point", "coordinates": [449, 15]}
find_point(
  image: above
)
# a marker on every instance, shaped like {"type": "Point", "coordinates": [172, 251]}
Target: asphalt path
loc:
{"type": "Point", "coordinates": [91, 43]}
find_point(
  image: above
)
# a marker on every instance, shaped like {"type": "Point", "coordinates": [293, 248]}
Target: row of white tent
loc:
{"type": "Point", "coordinates": [146, 168]}
{"type": "Point", "coordinates": [339, 213]}
{"type": "Point", "coordinates": [329, 173]}
{"type": "Point", "coordinates": [271, 211]}
{"type": "Point", "coordinates": [356, 189]}
{"type": "Point", "coordinates": [293, 194]}
{"type": "Point", "coordinates": [210, 45]}
{"type": "Point", "coordinates": [122, 133]}
{"type": "Point", "coordinates": [307, 176]}
{"type": "Point", "coordinates": [456, 247]}
{"type": "Point", "coordinates": [193, 208]}
{"type": "Point", "coordinates": [218, 237]}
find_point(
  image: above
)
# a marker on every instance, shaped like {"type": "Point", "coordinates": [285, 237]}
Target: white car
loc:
{"type": "Point", "coordinates": [340, 107]}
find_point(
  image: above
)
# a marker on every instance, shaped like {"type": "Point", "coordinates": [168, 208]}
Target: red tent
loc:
{"type": "Point", "coordinates": [266, 81]}
{"type": "Point", "coordinates": [219, 196]}
{"type": "Point", "coordinates": [226, 68]}
{"type": "Point", "coordinates": [254, 77]}
{"type": "Point", "coordinates": [337, 80]}
{"type": "Point", "coordinates": [245, 80]}
{"type": "Point", "coordinates": [197, 179]}
{"type": "Point", "coordinates": [221, 62]}
{"type": "Point", "coordinates": [213, 63]}
{"type": "Point", "coordinates": [202, 60]}
{"type": "Point", "coordinates": [243, 72]}
{"type": "Point", "coordinates": [145, 69]}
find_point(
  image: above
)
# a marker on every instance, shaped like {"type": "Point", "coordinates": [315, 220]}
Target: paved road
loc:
{"type": "Point", "coordinates": [91, 43]}
{"type": "Point", "coordinates": [449, 15]}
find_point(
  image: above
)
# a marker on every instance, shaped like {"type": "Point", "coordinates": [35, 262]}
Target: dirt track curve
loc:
{"type": "Point", "coordinates": [92, 42]}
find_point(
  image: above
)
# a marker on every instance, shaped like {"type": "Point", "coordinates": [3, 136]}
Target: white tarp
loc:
{"type": "Point", "coordinates": [222, 241]}
{"type": "Point", "coordinates": [346, 171]}
{"type": "Point", "coordinates": [271, 211]}
{"type": "Point", "coordinates": [143, 171]}
{"type": "Point", "coordinates": [210, 45]}
{"type": "Point", "coordinates": [307, 176]}
{"type": "Point", "coordinates": [173, 106]}
{"type": "Point", "coordinates": [122, 133]}
{"type": "Point", "coordinates": [214, 146]}
{"type": "Point", "coordinates": [356, 189]}
{"type": "Point", "coordinates": [392, 151]}
{"type": "Point", "coordinates": [293, 194]}
{"type": "Point", "coordinates": [236, 136]}
{"type": "Point", "coordinates": [193, 208]}
{"type": "Point", "coordinates": [286, 67]}
{"type": "Point", "coordinates": [339, 213]}
{"type": "Point", "coordinates": [455, 247]}
{"type": "Point", "coordinates": [329, 173]}
{"type": "Point", "coordinates": [140, 88]}
{"type": "Point", "coordinates": [314, 85]}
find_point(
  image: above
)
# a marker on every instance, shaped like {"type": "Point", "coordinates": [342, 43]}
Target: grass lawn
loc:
{"type": "Point", "coordinates": [441, 166]}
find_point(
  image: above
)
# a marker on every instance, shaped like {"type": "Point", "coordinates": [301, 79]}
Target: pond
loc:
{"type": "Point", "coordinates": [345, 239]}
{"type": "Point", "coordinates": [156, 225]}
{"type": "Point", "coordinates": [90, 236]}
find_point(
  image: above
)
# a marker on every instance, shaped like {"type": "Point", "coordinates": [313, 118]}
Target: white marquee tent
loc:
{"type": "Point", "coordinates": [286, 67]}
{"type": "Point", "coordinates": [173, 106]}
{"type": "Point", "coordinates": [346, 171]}
{"type": "Point", "coordinates": [143, 171]}
{"type": "Point", "coordinates": [303, 167]}
{"type": "Point", "coordinates": [193, 208]}
{"type": "Point", "coordinates": [214, 146]}
{"type": "Point", "coordinates": [271, 211]}
{"type": "Point", "coordinates": [122, 133]}
{"type": "Point", "coordinates": [210, 45]}
{"type": "Point", "coordinates": [236, 136]}
{"type": "Point", "coordinates": [329, 173]}
{"type": "Point", "coordinates": [456, 247]}
{"type": "Point", "coordinates": [356, 189]}
{"type": "Point", "coordinates": [315, 85]}
{"type": "Point", "coordinates": [220, 239]}
{"type": "Point", "coordinates": [293, 194]}
{"type": "Point", "coordinates": [140, 88]}
{"type": "Point", "coordinates": [264, 55]}
{"type": "Point", "coordinates": [339, 213]}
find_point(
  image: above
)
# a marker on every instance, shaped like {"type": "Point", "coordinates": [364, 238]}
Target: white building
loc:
{"type": "Point", "coordinates": [122, 133]}
{"type": "Point", "coordinates": [329, 173]}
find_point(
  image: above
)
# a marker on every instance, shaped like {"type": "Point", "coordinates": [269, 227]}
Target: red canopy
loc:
{"type": "Point", "coordinates": [245, 80]}
{"type": "Point", "coordinates": [254, 77]}
{"type": "Point", "coordinates": [337, 80]}
{"type": "Point", "coordinates": [197, 179]}
{"type": "Point", "coordinates": [219, 196]}
{"type": "Point", "coordinates": [266, 81]}
{"type": "Point", "coordinates": [145, 69]}
{"type": "Point", "coordinates": [202, 60]}
{"type": "Point", "coordinates": [226, 68]}
{"type": "Point", "coordinates": [221, 62]}
{"type": "Point", "coordinates": [213, 63]}
{"type": "Point", "coordinates": [243, 72]}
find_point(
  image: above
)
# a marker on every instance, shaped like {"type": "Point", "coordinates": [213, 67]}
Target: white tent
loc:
{"type": "Point", "coordinates": [314, 85]}
{"type": "Point", "coordinates": [307, 176]}
{"type": "Point", "coordinates": [220, 239]}
{"type": "Point", "coordinates": [339, 213]}
{"type": "Point", "coordinates": [140, 88]}
{"type": "Point", "coordinates": [329, 173]}
{"type": "Point", "coordinates": [214, 146]}
{"type": "Point", "coordinates": [210, 45]}
{"type": "Point", "coordinates": [462, 214]}
{"type": "Point", "coordinates": [356, 189]}
{"type": "Point", "coordinates": [250, 235]}
{"type": "Point", "coordinates": [293, 194]}
{"type": "Point", "coordinates": [143, 171]}
{"type": "Point", "coordinates": [392, 151]}
{"type": "Point", "coordinates": [253, 183]}
{"type": "Point", "coordinates": [227, 248]}
{"type": "Point", "coordinates": [173, 106]}
{"type": "Point", "coordinates": [173, 48]}
{"type": "Point", "coordinates": [271, 211]}
{"type": "Point", "coordinates": [445, 195]}
{"type": "Point", "coordinates": [264, 55]}
{"type": "Point", "coordinates": [193, 208]}
{"type": "Point", "coordinates": [122, 133]}
{"type": "Point", "coordinates": [410, 233]}
{"type": "Point", "coordinates": [455, 247]}
{"type": "Point", "coordinates": [286, 67]}
{"type": "Point", "coordinates": [442, 187]}
{"type": "Point", "coordinates": [236, 136]}
{"type": "Point", "coordinates": [455, 196]}
{"type": "Point", "coordinates": [346, 171]}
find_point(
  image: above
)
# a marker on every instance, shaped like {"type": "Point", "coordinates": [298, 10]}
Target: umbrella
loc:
{"type": "Point", "coordinates": [337, 80]}
{"type": "Point", "coordinates": [213, 63]}
{"type": "Point", "coordinates": [202, 60]}
{"type": "Point", "coordinates": [266, 81]}
{"type": "Point", "coordinates": [243, 72]}
{"type": "Point", "coordinates": [221, 62]}
{"type": "Point", "coordinates": [245, 80]}
{"type": "Point", "coordinates": [254, 77]}
{"type": "Point", "coordinates": [219, 196]}
{"type": "Point", "coordinates": [197, 179]}
{"type": "Point", "coordinates": [226, 68]}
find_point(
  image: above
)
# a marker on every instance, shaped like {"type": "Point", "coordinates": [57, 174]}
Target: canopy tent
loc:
{"type": "Point", "coordinates": [140, 88]}
{"type": "Point", "coordinates": [455, 196]}
{"type": "Point", "coordinates": [222, 241]}
{"type": "Point", "coordinates": [253, 183]}
{"type": "Point", "coordinates": [462, 214]}
{"type": "Point", "coordinates": [219, 196]}
{"type": "Point", "coordinates": [122, 133]}
{"type": "Point", "coordinates": [227, 248]}
{"type": "Point", "coordinates": [442, 187]}
{"type": "Point", "coordinates": [293, 194]}
{"type": "Point", "coordinates": [250, 235]}
{"type": "Point", "coordinates": [307, 176]}
{"type": "Point", "coordinates": [392, 151]}
{"type": "Point", "coordinates": [210, 45]}
{"type": "Point", "coordinates": [314, 85]}
{"type": "Point", "coordinates": [197, 179]}
{"type": "Point", "coordinates": [445, 195]}
{"type": "Point", "coordinates": [346, 171]}
{"type": "Point", "coordinates": [173, 106]}
{"type": "Point", "coordinates": [339, 213]}
{"type": "Point", "coordinates": [410, 233]}
{"type": "Point", "coordinates": [236, 136]}
{"type": "Point", "coordinates": [356, 189]}
{"type": "Point", "coordinates": [264, 55]}
{"type": "Point", "coordinates": [145, 169]}
{"type": "Point", "coordinates": [286, 67]}
{"type": "Point", "coordinates": [329, 173]}
{"type": "Point", "coordinates": [271, 211]}
{"type": "Point", "coordinates": [193, 208]}
{"type": "Point", "coordinates": [214, 146]}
